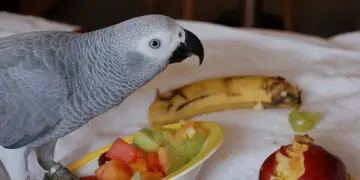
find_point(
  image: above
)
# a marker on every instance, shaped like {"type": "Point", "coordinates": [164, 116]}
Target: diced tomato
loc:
{"type": "Point", "coordinates": [103, 159]}
{"type": "Point", "coordinates": [153, 163]}
{"type": "Point", "coordinates": [88, 178]}
{"type": "Point", "coordinates": [113, 170]}
{"type": "Point", "coordinates": [120, 150]}
{"type": "Point", "coordinates": [138, 165]}
{"type": "Point", "coordinates": [151, 175]}
{"type": "Point", "coordinates": [99, 171]}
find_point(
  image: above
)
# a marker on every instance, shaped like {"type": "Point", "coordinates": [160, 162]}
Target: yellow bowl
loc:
{"type": "Point", "coordinates": [188, 172]}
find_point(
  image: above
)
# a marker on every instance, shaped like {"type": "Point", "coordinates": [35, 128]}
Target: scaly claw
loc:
{"type": "Point", "coordinates": [59, 172]}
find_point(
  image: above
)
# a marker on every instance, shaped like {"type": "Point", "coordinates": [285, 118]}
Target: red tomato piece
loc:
{"type": "Point", "coordinates": [88, 178]}
{"type": "Point", "coordinates": [113, 170]}
{"type": "Point", "coordinates": [103, 159]}
{"type": "Point", "coordinates": [153, 162]}
{"type": "Point", "coordinates": [122, 151]}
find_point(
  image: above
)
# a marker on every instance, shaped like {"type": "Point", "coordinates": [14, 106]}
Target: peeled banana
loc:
{"type": "Point", "coordinates": [219, 94]}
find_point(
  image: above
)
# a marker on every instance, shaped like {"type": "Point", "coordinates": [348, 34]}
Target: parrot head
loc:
{"type": "Point", "coordinates": [160, 40]}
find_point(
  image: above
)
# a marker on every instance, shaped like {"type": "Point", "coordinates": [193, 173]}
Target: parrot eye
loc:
{"type": "Point", "coordinates": [180, 34]}
{"type": "Point", "coordinates": [155, 43]}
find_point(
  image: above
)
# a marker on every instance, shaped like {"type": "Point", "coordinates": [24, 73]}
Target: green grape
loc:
{"type": "Point", "coordinates": [303, 121]}
{"type": "Point", "coordinates": [176, 158]}
{"type": "Point", "coordinates": [144, 140]}
{"type": "Point", "coordinates": [187, 148]}
{"type": "Point", "coordinates": [158, 134]}
{"type": "Point", "coordinates": [176, 164]}
{"type": "Point", "coordinates": [180, 151]}
{"type": "Point", "coordinates": [176, 146]}
{"type": "Point", "coordinates": [194, 145]}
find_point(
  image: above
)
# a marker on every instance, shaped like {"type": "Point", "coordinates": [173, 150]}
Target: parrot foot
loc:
{"type": "Point", "coordinates": [59, 172]}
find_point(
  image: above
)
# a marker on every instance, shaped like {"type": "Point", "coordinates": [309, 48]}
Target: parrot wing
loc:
{"type": "Point", "coordinates": [30, 93]}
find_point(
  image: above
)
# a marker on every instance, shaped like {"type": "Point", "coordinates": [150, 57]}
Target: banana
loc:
{"type": "Point", "coordinates": [220, 94]}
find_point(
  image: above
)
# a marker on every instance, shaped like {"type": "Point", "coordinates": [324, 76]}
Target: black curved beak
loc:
{"type": "Point", "coordinates": [191, 46]}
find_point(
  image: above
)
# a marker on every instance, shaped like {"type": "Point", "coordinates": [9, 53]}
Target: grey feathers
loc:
{"type": "Point", "coordinates": [32, 87]}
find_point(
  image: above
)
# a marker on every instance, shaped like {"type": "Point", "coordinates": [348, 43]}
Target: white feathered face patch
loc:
{"type": "Point", "coordinates": [150, 43]}
{"type": "Point", "coordinates": [159, 46]}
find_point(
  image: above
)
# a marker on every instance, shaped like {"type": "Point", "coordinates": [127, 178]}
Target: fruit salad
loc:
{"type": "Point", "coordinates": [152, 155]}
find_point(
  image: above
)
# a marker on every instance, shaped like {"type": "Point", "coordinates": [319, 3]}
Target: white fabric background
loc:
{"type": "Point", "coordinates": [329, 77]}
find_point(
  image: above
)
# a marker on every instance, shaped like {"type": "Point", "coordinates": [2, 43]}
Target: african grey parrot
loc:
{"type": "Point", "coordinates": [52, 83]}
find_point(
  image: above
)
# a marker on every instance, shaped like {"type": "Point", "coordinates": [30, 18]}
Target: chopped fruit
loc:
{"type": "Point", "coordinates": [190, 132]}
{"type": "Point", "coordinates": [151, 175]}
{"type": "Point", "coordinates": [302, 160]}
{"type": "Point", "coordinates": [103, 159]}
{"type": "Point", "coordinates": [120, 150]}
{"type": "Point", "coordinates": [187, 148]}
{"type": "Point", "coordinates": [202, 130]}
{"type": "Point", "coordinates": [176, 143]}
{"type": "Point", "coordinates": [194, 145]}
{"type": "Point", "coordinates": [158, 134]}
{"type": "Point", "coordinates": [163, 158]}
{"type": "Point", "coordinates": [303, 121]}
{"type": "Point", "coordinates": [88, 178]}
{"type": "Point", "coordinates": [99, 171]}
{"type": "Point", "coordinates": [186, 124]}
{"type": "Point", "coordinates": [176, 164]}
{"type": "Point", "coordinates": [153, 163]}
{"type": "Point", "coordinates": [138, 165]}
{"type": "Point", "coordinates": [144, 140]}
{"type": "Point", "coordinates": [113, 170]}
{"type": "Point", "coordinates": [136, 176]}
{"type": "Point", "coordinates": [153, 154]}
{"type": "Point", "coordinates": [168, 137]}
{"type": "Point", "coordinates": [184, 133]}
{"type": "Point", "coordinates": [181, 133]}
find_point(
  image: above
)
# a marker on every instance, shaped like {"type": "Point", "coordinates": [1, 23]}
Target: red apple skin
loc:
{"type": "Point", "coordinates": [103, 159]}
{"type": "Point", "coordinates": [88, 178]}
{"type": "Point", "coordinates": [319, 165]}
{"type": "Point", "coordinates": [268, 167]}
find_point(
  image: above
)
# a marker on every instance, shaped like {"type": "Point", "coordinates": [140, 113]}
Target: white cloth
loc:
{"type": "Point", "coordinates": [350, 40]}
{"type": "Point", "coordinates": [329, 77]}
{"type": "Point", "coordinates": [11, 23]}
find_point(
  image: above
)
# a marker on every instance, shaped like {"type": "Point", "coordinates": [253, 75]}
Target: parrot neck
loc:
{"type": "Point", "coordinates": [101, 82]}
